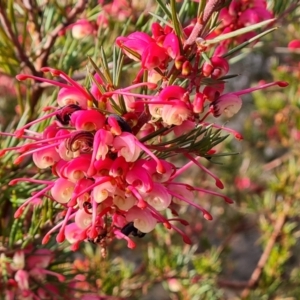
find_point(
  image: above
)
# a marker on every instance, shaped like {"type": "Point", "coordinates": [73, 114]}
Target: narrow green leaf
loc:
{"type": "Point", "coordinates": [135, 54]}
{"type": "Point", "coordinates": [243, 45]}
{"type": "Point", "coordinates": [164, 8]}
{"type": "Point", "coordinates": [205, 57]}
{"type": "Point", "coordinates": [183, 7]}
{"type": "Point", "coordinates": [11, 13]}
{"type": "Point", "coordinates": [160, 19]}
{"type": "Point", "coordinates": [176, 23]}
{"type": "Point", "coordinates": [120, 66]}
{"type": "Point", "coordinates": [114, 65]}
{"type": "Point", "coordinates": [238, 32]}
{"type": "Point", "coordinates": [97, 70]}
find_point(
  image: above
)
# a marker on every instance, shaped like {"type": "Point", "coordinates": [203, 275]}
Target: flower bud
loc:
{"type": "Point", "coordinates": [228, 104]}
{"type": "Point", "coordinates": [179, 60]}
{"type": "Point", "coordinates": [186, 68]}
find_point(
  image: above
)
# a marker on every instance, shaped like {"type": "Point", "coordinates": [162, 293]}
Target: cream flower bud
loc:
{"type": "Point", "coordinates": [83, 219]}
{"type": "Point", "coordinates": [123, 202]}
{"type": "Point", "coordinates": [62, 190]}
{"type": "Point", "coordinates": [159, 198]}
{"type": "Point", "coordinates": [228, 105]}
{"type": "Point", "coordinates": [126, 147]}
{"type": "Point", "coordinates": [103, 190]}
{"type": "Point", "coordinates": [142, 219]}
{"type": "Point", "coordinates": [175, 114]}
{"type": "Point", "coordinates": [18, 261]}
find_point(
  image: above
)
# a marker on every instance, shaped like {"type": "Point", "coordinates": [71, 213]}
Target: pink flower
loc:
{"type": "Point", "coordinates": [41, 258]}
{"type": "Point", "coordinates": [26, 270]}
{"type": "Point", "coordinates": [198, 104]}
{"type": "Point", "coordinates": [102, 191]}
{"type": "Point", "coordinates": [102, 141]}
{"type": "Point", "coordinates": [242, 183]}
{"type": "Point", "coordinates": [126, 146]}
{"type": "Point", "coordinates": [18, 261]}
{"type": "Point", "coordinates": [102, 20]}
{"type": "Point", "coordinates": [124, 202]}
{"type": "Point", "coordinates": [240, 14]}
{"type": "Point", "coordinates": [217, 68]}
{"type": "Point", "coordinates": [229, 104]}
{"type": "Point", "coordinates": [182, 191]}
{"type": "Point", "coordinates": [137, 41]}
{"type": "Point", "coordinates": [142, 219]}
{"type": "Point", "coordinates": [176, 114]}
{"type": "Point", "coordinates": [103, 166]}
{"type": "Point", "coordinates": [171, 44]}
{"type": "Point", "coordinates": [173, 111]}
{"type": "Point", "coordinates": [150, 166]}
{"type": "Point", "coordinates": [139, 178]}
{"type": "Point", "coordinates": [119, 167]}
{"type": "Point", "coordinates": [151, 54]}
{"type": "Point", "coordinates": [71, 95]}
{"type": "Point", "coordinates": [252, 12]}
{"type": "Point", "coordinates": [159, 198]}
{"type": "Point", "coordinates": [77, 168]}
{"type": "Point", "coordinates": [184, 128]}
{"type": "Point", "coordinates": [294, 45]}
{"type": "Point", "coordinates": [82, 219]}
{"type": "Point", "coordinates": [119, 9]}
{"type": "Point", "coordinates": [108, 147]}
{"type": "Point", "coordinates": [46, 157]}
{"type": "Point", "coordinates": [22, 278]}
{"type": "Point", "coordinates": [173, 92]}
{"type": "Point", "coordinates": [62, 190]}
{"type": "Point", "coordinates": [73, 233]}
{"type": "Point", "coordinates": [210, 93]}
{"type": "Point", "coordinates": [94, 88]}
{"type": "Point", "coordinates": [82, 28]}
{"type": "Point", "coordinates": [88, 120]}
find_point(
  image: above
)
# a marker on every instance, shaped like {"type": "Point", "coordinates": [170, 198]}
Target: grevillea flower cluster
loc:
{"type": "Point", "coordinates": [108, 147]}
{"type": "Point", "coordinates": [240, 14]}
{"type": "Point", "coordinates": [118, 10]}
{"type": "Point", "coordinates": [27, 274]}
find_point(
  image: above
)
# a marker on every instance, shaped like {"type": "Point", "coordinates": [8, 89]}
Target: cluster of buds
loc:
{"type": "Point", "coordinates": [240, 14]}
{"type": "Point", "coordinates": [117, 9]}
{"type": "Point", "coordinates": [108, 147]}
{"type": "Point", "coordinates": [24, 275]}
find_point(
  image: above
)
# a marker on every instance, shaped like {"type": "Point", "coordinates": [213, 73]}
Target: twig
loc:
{"type": "Point", "coordinates": [238, 228]}
{"type": "Point", "coordinates": [19, 50]}
{"type": "Point", "coordinates": [277, 162]}
{"type": "Point", "coordinates": [232, 284]}
{"type": "Point", "coordinates": [33, 11]}
{"type": "Point", "coordinates": [209, 9]}
{"type": "Point", "coordinates": [265, 255]}
{"type": "Point", "coordinates": [291, 8]}
{"type": "Point", "coordinates": [44, 52]}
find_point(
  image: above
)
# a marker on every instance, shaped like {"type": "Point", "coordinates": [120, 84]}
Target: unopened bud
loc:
{"type": "Point", "coordinates": [60, 237]}
{"type": "Point", "coordinates": [179, 60]}
{"type": "Point", "coordinates": [186, 68]}
{"type": "Point", "coordinates": [207, 69]}
{"type": "Point", "coordinates": [160, 40]}
{"type": "Point", "coordinates": [207, 216]}
{"type": "Point", "coordinates": [198, 104]}
{"type": "Point", "coordinates": [46, 239]}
